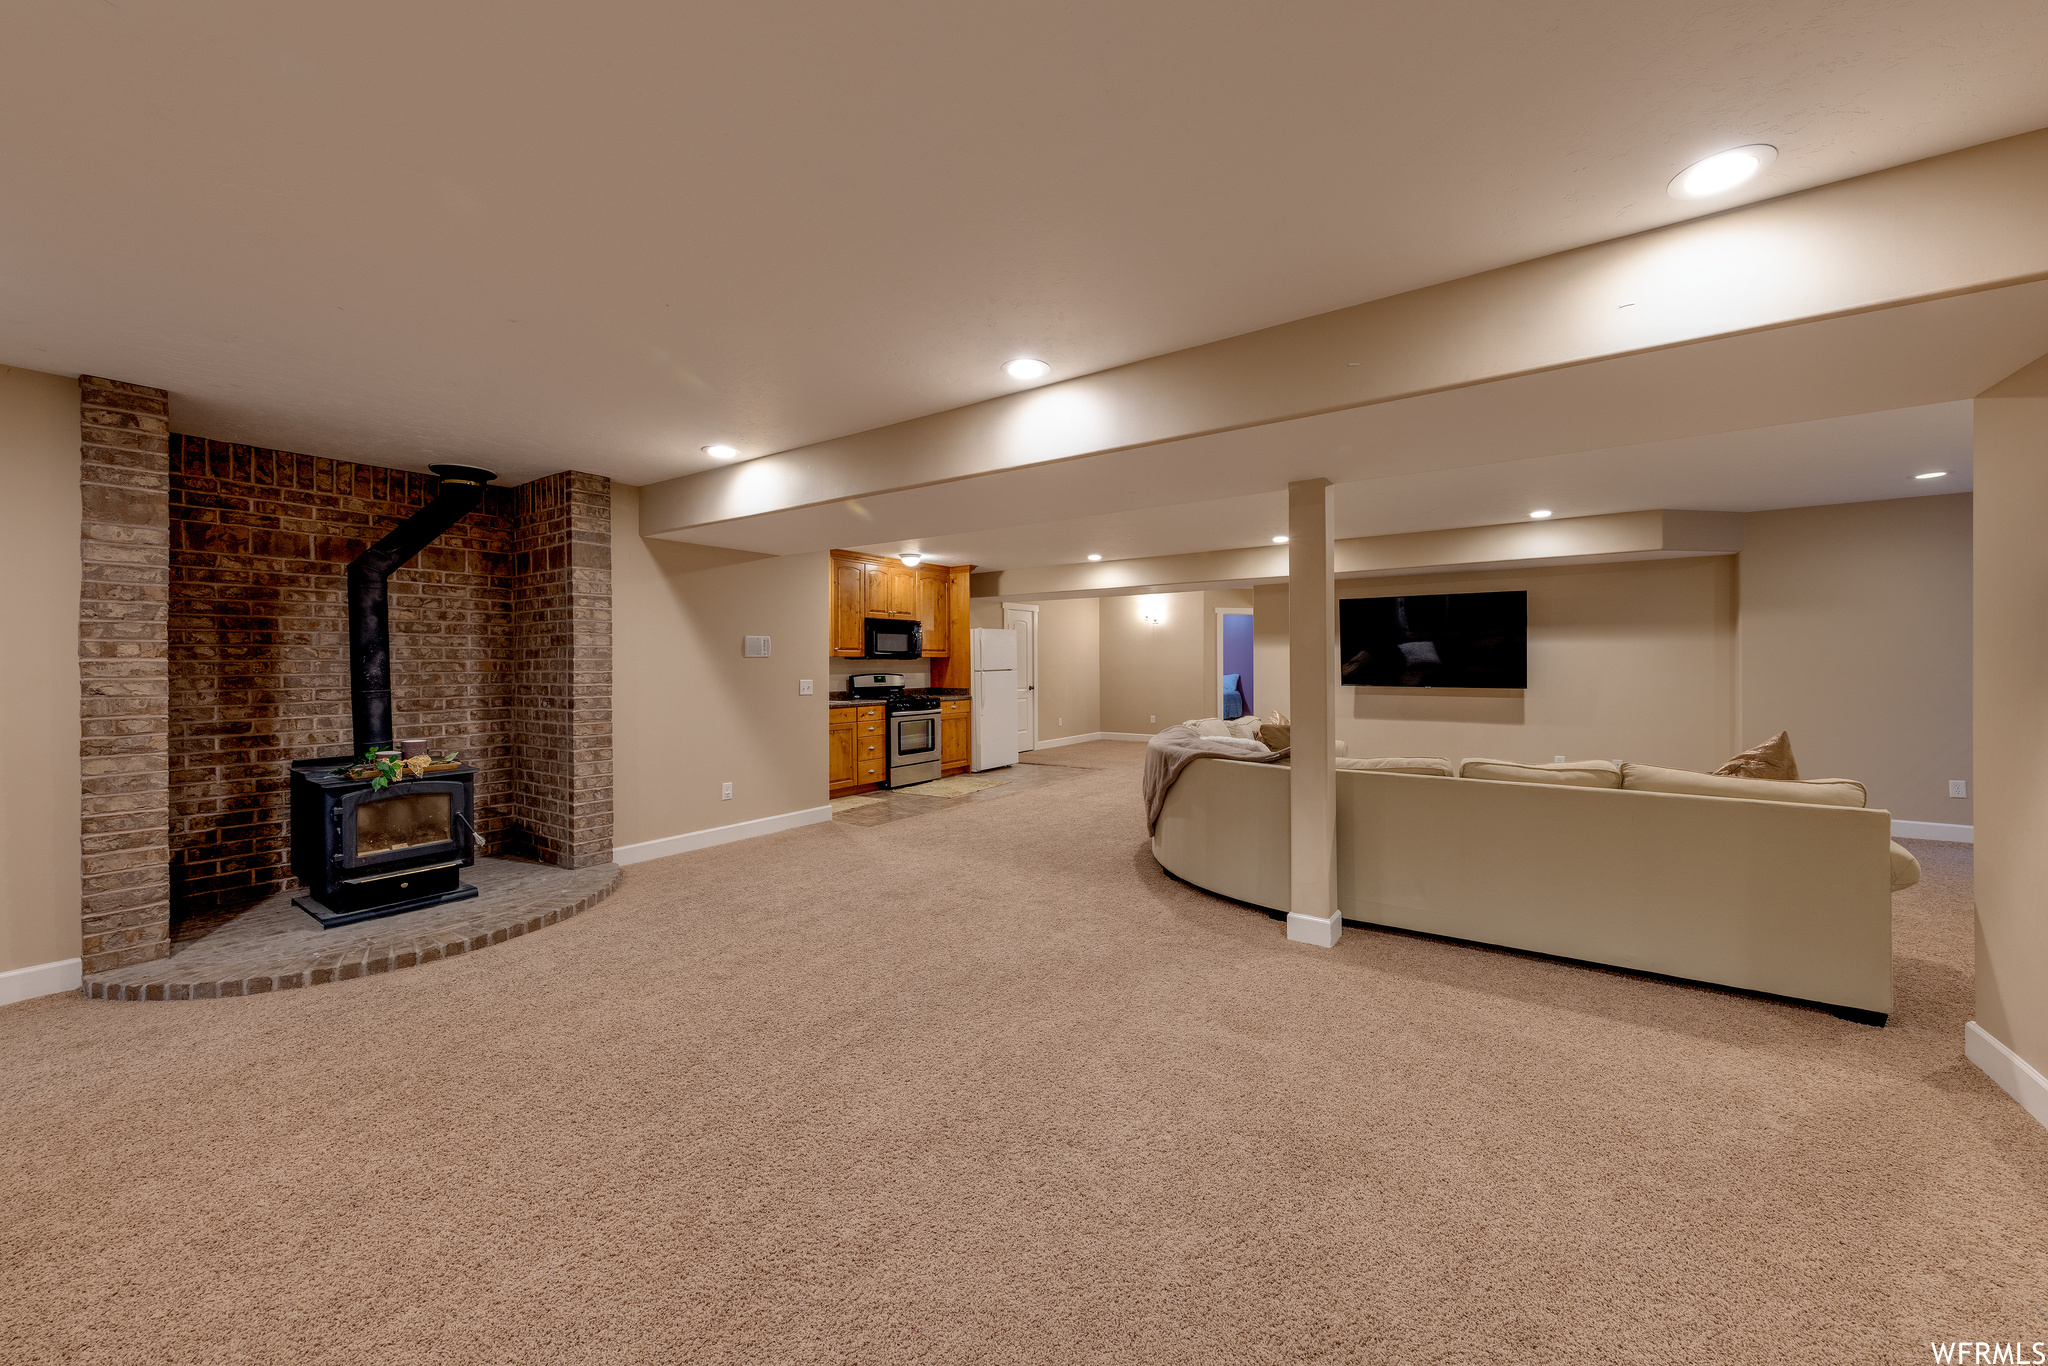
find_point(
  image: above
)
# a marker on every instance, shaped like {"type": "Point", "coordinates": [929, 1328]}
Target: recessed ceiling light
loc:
{"type": "Point", "coordinates": [1932, 474]}
{"type": "Point", "coordinates": [1722, 171]}
{"type": "Point", "coordinates": [1094, 557]}
{"type": "Point", "coordinates": [1279, 540]}
{"type": "Point", "coordinates": [1540, 513]}
{"type": "Point", "coordinates": [721, 452]}
{"type": "Point", "coordinates": [1026, 368]}
{"type": "Point", "coordinates": [912, 558]}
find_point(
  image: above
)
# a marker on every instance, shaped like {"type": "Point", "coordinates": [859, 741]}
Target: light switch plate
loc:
{"type": "Point", "coordinates": [725, 793]}
{"type": "Point", "coordinates": [1958, 787]}
{"type": "Point", "coordinates": [803, 687]}
{"type": "Point", "coordinates": [757, 647]}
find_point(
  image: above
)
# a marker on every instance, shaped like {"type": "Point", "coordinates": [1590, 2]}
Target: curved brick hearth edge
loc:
{"type": "Point", "coordinates": [274, 946]}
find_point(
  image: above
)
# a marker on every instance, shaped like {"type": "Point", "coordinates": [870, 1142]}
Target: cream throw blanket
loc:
{"type": "Point", "coordinates": [1174, 748]}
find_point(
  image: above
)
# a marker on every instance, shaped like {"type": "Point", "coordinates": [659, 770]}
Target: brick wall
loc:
{"type": "Point", "coordinates": [563, 720]}
{"type": "Point", "coordinates": [124, 688]}
{"type": "Point", "coordinates": [500, 648]}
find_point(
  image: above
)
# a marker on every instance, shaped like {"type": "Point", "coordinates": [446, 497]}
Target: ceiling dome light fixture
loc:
{"type": "Point", "coordinates": [721, 452]}
{"type": "Point", "coordinates": [1094, 557]}
{"type": "Point", "coordinates": [1540, 513]}
{"type": "Point", "coordinates": [1279, 540]}
{"type": "Point", "coordinates": [1932, 474]}
{"type": "Point", "coordinates": [1024, 367]}
{"type": "Point", "coordinates": [911, 559]}
{"type": "Point", "coordinates": [1722, 171]}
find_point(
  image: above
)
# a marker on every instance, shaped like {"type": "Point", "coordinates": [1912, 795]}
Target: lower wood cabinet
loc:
{"type": "Point", "coordinates": [859, 740]}
{"type": "Point", "coordinates": [956, 734]}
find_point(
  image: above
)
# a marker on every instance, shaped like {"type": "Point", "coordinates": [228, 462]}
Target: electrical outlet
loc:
{"type": "Point", "coordinates": [1059, 721]}
{"type": "Point", "coordinates": [1155, 720]}
{"type": "Point", "coordinates": [1958, 787]}
{"type": "Point", "coordinates": [803, 687]}
{"type": "Point", "coordinates": [725, 793]}
{"type": "Point", "coordinates": [1558, 760]}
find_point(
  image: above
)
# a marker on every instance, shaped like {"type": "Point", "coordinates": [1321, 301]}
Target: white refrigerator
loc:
{"type": "Point", "coordinates": [995, 698]}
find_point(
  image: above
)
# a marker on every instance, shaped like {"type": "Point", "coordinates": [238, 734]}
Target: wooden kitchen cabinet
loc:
{"type": "Point", "coordinates": [849, 610]}
{"type": "Point", "coordinates": [935, 609]}
{"type": "Point", "coordinates": [934, 595]}
{"type": "Point", "coordinates": [891, 590]}
{"type": "Point", "coordinates": [841, 764]}
{"type": "Point", "coordinates": [859, 748]}
{"type": "Point", "coordinates": [956, 735]}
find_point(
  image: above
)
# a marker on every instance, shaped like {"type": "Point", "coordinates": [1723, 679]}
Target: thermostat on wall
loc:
{"type": "Point", "coordinates": [757, 647]}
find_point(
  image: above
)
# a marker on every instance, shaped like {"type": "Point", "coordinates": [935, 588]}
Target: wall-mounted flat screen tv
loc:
{"type": "Point", "coordinates": [1441, 640]}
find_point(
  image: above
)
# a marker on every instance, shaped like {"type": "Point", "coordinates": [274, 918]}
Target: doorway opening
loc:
{"type": "Point", "coordinates": [1234, 684]}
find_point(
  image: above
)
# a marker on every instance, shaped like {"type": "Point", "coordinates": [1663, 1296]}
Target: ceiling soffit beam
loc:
{"type": "Point", "coordinates": [1659, 533]}
{"type": "Point", "coordinates": [1954, 224]}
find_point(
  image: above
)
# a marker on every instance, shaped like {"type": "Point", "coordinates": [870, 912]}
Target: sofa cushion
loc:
{"type": "Point", "coordinates": [1813, 791]}
{"type": "Point", "coordinates": [1905, 868]}
{"type": "Point", "coordinates": [1771, 759]}
{"type": "Point", "coordinates": [1276, 734]}
{"type": "Point", "coordinates": [1578, 773]}
{"type": "Point", "coordinates": [1213, 727]}
{"type": "Point", "coordinates": [1427, 768]}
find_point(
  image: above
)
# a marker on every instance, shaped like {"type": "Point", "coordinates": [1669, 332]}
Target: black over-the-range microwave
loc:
{"type": "Point", "coordinates": [888, 639]}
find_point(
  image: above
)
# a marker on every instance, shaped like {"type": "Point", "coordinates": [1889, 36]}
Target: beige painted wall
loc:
{"type": "Point", "coordinates": [1168, 669]}
{"type": "Point", "coordinates": [1626, 661]}
{"type": "Point", "coordinates": [1855, 637]}
{"type": "Point", "coordinates": [2011, 712]}
{"type": "Point", "coordinates": [689, 711]}
{"type": "Point", "coordinates": [1069, 660]}
{"type": "Point", "coordinates": [1069, 667]}
{"type": "Point", "coordinates": [39, 809]}
{"type": "Point", "coordinates": [1269, 647]}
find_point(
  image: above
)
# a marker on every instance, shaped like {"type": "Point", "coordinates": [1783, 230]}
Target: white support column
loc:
{"type": "Point", "coordinates": [1312, 915]}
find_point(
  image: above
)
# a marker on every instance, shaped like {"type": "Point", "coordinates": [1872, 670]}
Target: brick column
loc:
{"type": "Point", "coordinates": [562, 712]}
{"type": "Point", "coordinates": [124, 672]}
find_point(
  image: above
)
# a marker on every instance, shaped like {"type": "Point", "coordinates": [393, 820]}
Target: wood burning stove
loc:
{"type": "Point", "coordinates": [365, 853]}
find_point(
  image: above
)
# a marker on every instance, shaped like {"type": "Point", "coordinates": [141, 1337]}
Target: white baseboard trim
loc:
{"type": "Point", "coordinates": [719, 834]}
{"type": "Point", "coordinates": [2014, 1075]}
{"type": "Point", "coordinates": [1092, 735]}
{"type": "Point", "coordinates": [1932, 830]}
{"type": "Point", "coordinates": [44, 979]}
{"type": "Point", "coordinates": [1311, 929]}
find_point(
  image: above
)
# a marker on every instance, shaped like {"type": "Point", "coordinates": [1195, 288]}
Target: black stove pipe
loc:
{"type": "Point", "coordinates": [369, 633]}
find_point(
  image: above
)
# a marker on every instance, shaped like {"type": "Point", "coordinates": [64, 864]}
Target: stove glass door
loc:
{"type": "Point", "coordinates": [915, 736]}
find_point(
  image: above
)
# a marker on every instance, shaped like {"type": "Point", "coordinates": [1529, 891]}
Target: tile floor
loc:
{"type": "Point", "coordinates": [884, 805]}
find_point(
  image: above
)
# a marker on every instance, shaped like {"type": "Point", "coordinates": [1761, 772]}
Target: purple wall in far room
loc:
{"type": "Point", "coordinates": [1237, 655]}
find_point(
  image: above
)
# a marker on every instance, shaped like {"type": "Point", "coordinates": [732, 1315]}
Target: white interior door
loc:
{"type": "Point", "coordinates": [1024, 621]}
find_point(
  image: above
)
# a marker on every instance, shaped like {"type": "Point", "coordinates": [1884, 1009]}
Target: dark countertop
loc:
{"type": "Point", "coordinates": [840, 699]}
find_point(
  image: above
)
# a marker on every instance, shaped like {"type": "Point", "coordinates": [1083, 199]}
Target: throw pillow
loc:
{"type": "Point", "coordinates": [1276, 734]}
{"type": "Point", "coordinates": [1813, 791]}
{"type": "Point", "coordinates": [1772, 759]}
{"type": "Point", "coordinates": [1579, 773]}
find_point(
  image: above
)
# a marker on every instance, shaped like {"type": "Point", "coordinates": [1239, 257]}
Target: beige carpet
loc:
{"type": "Point", "coordinates": [988, 1087]}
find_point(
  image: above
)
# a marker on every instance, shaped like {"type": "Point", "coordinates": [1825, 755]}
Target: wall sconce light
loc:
{"type": "Point", "coordinates": [1152, 611]}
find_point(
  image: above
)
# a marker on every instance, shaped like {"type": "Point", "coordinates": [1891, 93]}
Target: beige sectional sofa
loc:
{"type": "Point", "coordinates": [1786, 897]}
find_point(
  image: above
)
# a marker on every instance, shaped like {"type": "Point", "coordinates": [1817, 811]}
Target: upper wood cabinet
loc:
{"type": "Point", "coordinates": [891, 590]}
{"type": "Point", "coordinates": [849, 611]}
{"type": "Point", "coordinates": [863, 586]}
{"type": "Point", "coordinates": [935, 609]}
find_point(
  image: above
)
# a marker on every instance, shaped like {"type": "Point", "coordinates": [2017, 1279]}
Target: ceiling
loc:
{"type": "Point", "coordinates": [602, 236]}
{"type": "Point", "coordinates": [1855, 459]}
